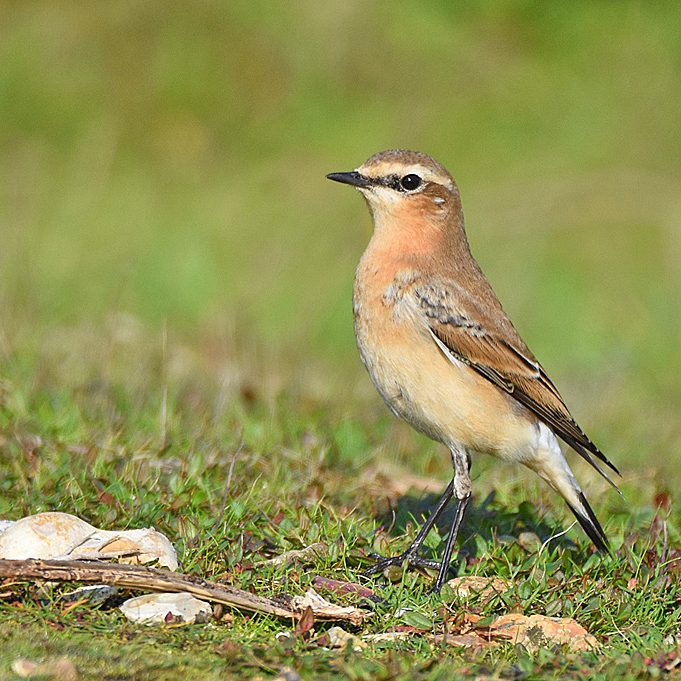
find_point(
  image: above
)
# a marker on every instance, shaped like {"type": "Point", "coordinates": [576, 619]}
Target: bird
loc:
{"type": "Point", "coordinates": [442, 352]}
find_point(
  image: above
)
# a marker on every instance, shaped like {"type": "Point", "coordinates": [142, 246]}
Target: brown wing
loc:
{"type": "Point", "coordinates": [490, 344]}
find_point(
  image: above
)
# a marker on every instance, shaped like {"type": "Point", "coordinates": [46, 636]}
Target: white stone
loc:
{"type": "Point", "coordinates": [155, 609]}
{"type": "Point", "coordinates": [54, 535]}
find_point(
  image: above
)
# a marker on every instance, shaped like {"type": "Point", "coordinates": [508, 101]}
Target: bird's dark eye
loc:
{"type": "Point", "coordinates": [410, 182]}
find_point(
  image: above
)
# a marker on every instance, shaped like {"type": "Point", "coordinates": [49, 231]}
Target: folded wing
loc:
{"type": "Point", "coordinates": [494, 349]}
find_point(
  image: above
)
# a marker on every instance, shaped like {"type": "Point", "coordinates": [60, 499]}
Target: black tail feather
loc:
{"type": "Point", "coordinates": [590, 525]}
{"type": "Point", "coordinates": [586, 455]}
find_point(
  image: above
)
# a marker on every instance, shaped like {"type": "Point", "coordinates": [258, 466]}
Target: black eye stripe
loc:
{"type": "Point", "coordinates": [397, 182]}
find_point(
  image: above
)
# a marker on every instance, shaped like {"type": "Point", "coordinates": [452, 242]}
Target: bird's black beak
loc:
{"type": "Point", "coordinates": [353, 178]}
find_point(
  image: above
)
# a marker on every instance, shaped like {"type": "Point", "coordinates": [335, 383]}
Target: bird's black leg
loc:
{"type": "Point", "coordinates": [462, 490]}
{"type": "Point", "coordinates": [411, 554]}
{"type": "Point", "coordinates": [459, 486]}
{"type": "Point", "coordinates": [449, 546]}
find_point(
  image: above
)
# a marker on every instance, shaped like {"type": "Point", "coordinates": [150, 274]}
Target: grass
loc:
{"type": "Point", "coordinates": [174, 304]}
{"type": "Point", "coordinates": [303, 470]}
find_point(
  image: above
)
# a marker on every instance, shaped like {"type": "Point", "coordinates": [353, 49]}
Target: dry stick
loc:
{"type": "Point", "coordinates": [136, 577]}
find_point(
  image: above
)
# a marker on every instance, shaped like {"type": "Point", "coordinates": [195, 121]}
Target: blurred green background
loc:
{"type": "Point", "coordinates": [164, 162]}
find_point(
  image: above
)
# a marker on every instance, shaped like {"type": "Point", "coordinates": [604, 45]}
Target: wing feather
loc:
{"type": "Point", "coordinates": [491, 346]}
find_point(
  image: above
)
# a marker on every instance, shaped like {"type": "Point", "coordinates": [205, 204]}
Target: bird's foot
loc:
{"type": "Point", "coordinates": [397, 561]}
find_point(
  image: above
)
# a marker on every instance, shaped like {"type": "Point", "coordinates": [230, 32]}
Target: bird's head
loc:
{"type": "Point", "coordinates": [401, 183]}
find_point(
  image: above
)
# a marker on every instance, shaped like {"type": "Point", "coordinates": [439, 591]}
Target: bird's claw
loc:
{"type": "Point", "coordinates": [397, 561]}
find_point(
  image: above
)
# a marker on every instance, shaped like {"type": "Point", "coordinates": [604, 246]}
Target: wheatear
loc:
{"type": "Point", "coordinates": [442, 352]}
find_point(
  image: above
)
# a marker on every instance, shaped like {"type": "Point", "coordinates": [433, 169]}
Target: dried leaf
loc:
{"type": "Point", "coordinates": [469, 620]}
{"type": "Point", "coordinates": [538, 631]}
{"type": "Point", "coordinates": [472, 640]}
{"type": "Point", "coordinates": [306, 622]}
{"type": "Point", "coordinates": [106, 498]}
{"type": "Point", "coordinates": [484, 587]}
{"type": "Point", "coordinates": [337, 586]}
{"type": "Point", "coordinates": [323, 609]}
{"type": "Point", "coordinates": [533, 632]}
{"type": "Point", "coordinates": [307, 555]}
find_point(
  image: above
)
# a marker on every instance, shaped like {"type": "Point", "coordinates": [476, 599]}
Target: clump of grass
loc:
{"type": "Point", "coordinates": [234, 480]}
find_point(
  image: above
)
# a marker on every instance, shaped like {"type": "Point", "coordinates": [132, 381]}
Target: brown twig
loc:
{"type": "Point", "coordinates": [137, 577]}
